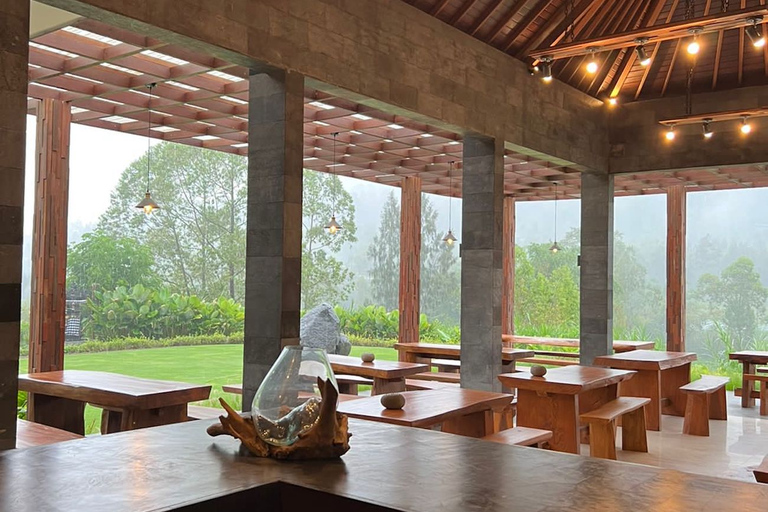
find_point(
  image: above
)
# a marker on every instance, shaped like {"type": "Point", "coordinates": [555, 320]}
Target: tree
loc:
{"type": "Point", "coordinates": [737, 298]}
{"type": "Point", "coordinates": [105, 262]}
{"type": "Point", "coordinates": [323, 277]}
{"type": "Point", "coordinates": [440, 273]}
{"type": "Point", "coordinates": [198, 237]}
{"type": "Point", "coordinates": [384, 253]}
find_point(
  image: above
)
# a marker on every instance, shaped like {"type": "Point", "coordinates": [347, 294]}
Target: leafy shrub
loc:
{"type": "Point", "coordinates": [141, 312]}
{"type": "Point", "coordinates": [376, 323]}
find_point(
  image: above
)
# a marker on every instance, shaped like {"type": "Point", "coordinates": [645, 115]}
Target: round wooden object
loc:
{"type": "Point", "coordinates": [393, 401]}
{"type": "Point", "coordinates": [538, 371]}
{"type": "Point", "coordinates": [367, 357]}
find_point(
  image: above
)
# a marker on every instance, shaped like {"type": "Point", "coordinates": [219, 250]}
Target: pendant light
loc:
{"type": "Point", "coordinates": [148, 204]}
{"type": "Point", "coordinates": [449, 238]}
{"type": "Point", "coordinates": [333, 227]}
{"type": "Point", "coordinates": [554, 248]}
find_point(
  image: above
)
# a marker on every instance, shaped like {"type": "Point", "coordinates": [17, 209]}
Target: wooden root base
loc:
{"type": "Point", "coordinates": [329, 439]}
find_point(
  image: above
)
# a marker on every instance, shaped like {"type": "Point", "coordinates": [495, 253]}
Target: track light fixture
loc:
{"type": "Point", "coordinates": [754, 32]}
{"type": "Point", "coordinates": [706, 128]}
{"type": "Point", "coordinates": [745, 126]}
{"type": "Point", "coordinates": [642, 55]}
{"type": "Point", "coordinates": [592, 64]}
{"type": "Point", "coordinates": [693, 46]}
{"type": "Point", "coordinates": [546, 69]}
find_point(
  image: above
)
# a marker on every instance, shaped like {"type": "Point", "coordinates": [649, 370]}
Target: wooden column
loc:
{"type": "Point", "coordinates": [410, 260]}
{"type": "Point", "coordinates": [676, 207]}
{"type": "Point", "coordinates": [49, 238]}
{"type": "Point", "coordinates": [508, 268]}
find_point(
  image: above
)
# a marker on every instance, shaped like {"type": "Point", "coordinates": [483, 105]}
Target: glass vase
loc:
{"type": "Point", "coordinates": [287, 403]}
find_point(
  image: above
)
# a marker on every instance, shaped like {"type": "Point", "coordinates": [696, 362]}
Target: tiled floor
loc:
{"type": "Point", "coordinates": [730, 451]}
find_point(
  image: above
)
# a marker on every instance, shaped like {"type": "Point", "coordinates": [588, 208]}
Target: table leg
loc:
{"type": "Point", "coordinates": [382, 386]}
{"type": "Point", "coordinates": [671, 380]}
{"type": "Point", "coordinates": [646, 384]}
{"type": "Point", "coordinates": [747, 386]}
{"type": "Point", "coordinates": [558, 413]}
{"type": "Point", "coordinates": [113, 420]}
{"type": "Point", "coordinates": [57, 412]}
{"type": "Point", "coordinates": [478, 424]}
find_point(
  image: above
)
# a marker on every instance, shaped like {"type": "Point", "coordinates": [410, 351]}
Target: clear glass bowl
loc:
{"type": "Point", "coordinates": [287, 403]}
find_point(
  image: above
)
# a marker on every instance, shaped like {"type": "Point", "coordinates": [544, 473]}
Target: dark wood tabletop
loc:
{"type": "Point", "coordinates": [428, 407]}
{"type": "Point", "coordinates": [175, 466]}
{"type": "Point", "coordinates": [113, 389]}
{"type": "Point", "coordinates": [30, 434]}
{"type": "Point", "coordinates": [378, 369]}
{"type": "Point", "coordinates": [567, 380]}
{"type": "Point", "coordinates": [750, 356]}
{"type": "Point", "coordinates": [439, 350]}
{"type": "Point", "coordinates": [618, 345]}
{"type": "Point", "coordinates": [646, 360]}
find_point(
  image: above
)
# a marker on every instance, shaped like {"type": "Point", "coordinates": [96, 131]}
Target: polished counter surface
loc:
{"type": "Point", "coordinates": [389, 467]}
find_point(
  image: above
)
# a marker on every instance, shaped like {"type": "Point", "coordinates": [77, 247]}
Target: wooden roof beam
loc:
{"type": "Point", "coordinates": [529, 18]}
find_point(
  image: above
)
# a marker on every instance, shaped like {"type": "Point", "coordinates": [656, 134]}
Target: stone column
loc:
{"type": "Point", "coordinates": [49, 238]}
{"type": "Point", "coordinates": [481, 258]}
{"type": "Point", "coordinates": [676, 208]}
{"type": "Point", "coordinates": [273, 243]}
{"type": "Point", "coordinates": [508, 268]}
{"type": "Point", "coordinates": [596, 312]}
{"type": "Point", "coordinates": [410, 260]}
{"type": "Point", "coordinates": [14, 37]}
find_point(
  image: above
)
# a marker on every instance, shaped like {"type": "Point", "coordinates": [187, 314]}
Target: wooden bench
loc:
{"type": "Point", "coordinates": [348, 384]}
{"type": "Point", "coordinates": [29, 434]}
{"type": "Point", "coordinates": [705, 400]}
{"type": "Point", "coordinates": [602, 427]}
{"type": "Point", "coordinates": [761, 471]}
{"type": "Point", "coordinates": [446, 365]}
{"type": "Point", "coordinates": [763, 380]}
{"type": "Point", "coordinates": [451, 378]}
{"type": "Point", "coordinates": [521, 436]}
{"type": "Point", "coordinates": [419, 385]}
{"type": "Point", "coordinates": [199, 412]}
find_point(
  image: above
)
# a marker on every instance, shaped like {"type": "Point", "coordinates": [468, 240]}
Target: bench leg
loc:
{"type": "Point", "coordinates": [478, 424]}
{"type": "Point", "coordinates": [61, 413]}
{"type": "Point", "coordinates": [633, 435]}
{"type": "Point", "coordinates": [696, 422]}
{"type": "Point", "coordinates": [602, 440]}
{"type": "Point", "coordinates": [347, 388]}
{"type": "Point", "coordinates": [763, 399]}
{"type": "Point", "coordinates": [718, 407]}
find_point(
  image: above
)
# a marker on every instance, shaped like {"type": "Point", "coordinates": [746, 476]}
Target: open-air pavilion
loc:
{"type": "Point", "coordinates": [486, 100]}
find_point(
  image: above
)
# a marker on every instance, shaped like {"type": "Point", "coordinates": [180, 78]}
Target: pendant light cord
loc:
{"type": "Point", "coordinates": [555, 212]}
{"type": "Point", "coordinates": [450, 195]}
{"type": "Point", "coordinates": [149, 133]}
{"type": "Point", "coordinates": [334, 164]}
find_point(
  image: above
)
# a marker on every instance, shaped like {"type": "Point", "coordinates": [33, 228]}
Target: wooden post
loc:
{"type": "Point", "coordinates": [676, 208]}
{"type": "Point", "coordinates": [410, 260]}
{"type": "Point", "coordinates": [508, 268]}
{"type": "Point", "coordinates": [49, 238]}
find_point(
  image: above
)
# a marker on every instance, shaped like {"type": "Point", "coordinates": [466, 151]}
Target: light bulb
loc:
{"type": "Point", "coordinates": [612, 101]}
{"type": "Point", "coordinates": [148, 209]}
{"type": "Point", "coordinates": [745, 127]}
{"type": "Point", "coordinates": [754, 32]}
{"type": "Point", "coordinates": [670, 135]}
{"type": "Point", "coordinates": [546, 79]}
{"type": "Point", "coordinates": [694, 47]}
{"type": "Point", "coordinates": [592, 67]}
{"type": "Point", "coordinates": [332, 230]}
{"type": "Point", "coordinates": [642, 55]}
{"type": "Point", "coordinates": [706, 128]}
{"type": "Point", "coordinates": [554, 250]}
{"type": "Point", "coordinates": [449, 241]}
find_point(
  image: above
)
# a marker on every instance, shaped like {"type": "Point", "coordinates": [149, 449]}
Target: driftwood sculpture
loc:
{"type": "Point", "coordinates": [328, 439]}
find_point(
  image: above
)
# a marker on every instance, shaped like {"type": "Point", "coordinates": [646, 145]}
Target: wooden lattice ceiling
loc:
{"type": "Point", "coordinates": [727, 59]}
{"type": "Point", "coordinates": [203, 101]}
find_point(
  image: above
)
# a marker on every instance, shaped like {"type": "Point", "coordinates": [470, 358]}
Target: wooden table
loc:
{"type": "Point", "coordinates": [388, 376]}
{"type": "Point", "coordinates": [618, 345]}
{"type": "Point", "coordinates": [29, 434]}
{"type": "Point", "coordinates": [58, 399]}
{"type": "Point", "coordinates": [413, 352]}
{"type": "Point", "coordinates": [749, 361]}
{"type": "Point", "coordinates": [460, 411]}
{"type": "Point", "coordinates": [555, 401]}
{"type": "Point", "coordinates": [659, 377]}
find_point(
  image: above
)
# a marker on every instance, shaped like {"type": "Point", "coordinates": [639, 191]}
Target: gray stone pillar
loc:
{"type": "Point", "coordinates": [273, 243]}
{"type": "Point", "coordinates": [14, 37]}
{"type": "Point", "coordinates": [481, 262]}
{"type": "Point", "coordinates": [596, 316]}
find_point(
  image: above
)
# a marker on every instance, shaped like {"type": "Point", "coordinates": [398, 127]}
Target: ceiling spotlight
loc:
{"type": "Point", "coordinates": [642, 55]}
{"type": "Point", "coordinates": [745, 126]}
{"type": "Point", "coordinates": [670, 135]}
{"type": "Point", "coordinates": [546, 69]}
{"type": "Point", "coordinates": [592, 64]}
{"type": "Point", "coordinates": [693, 46]}
{"type": "Point", "coordinates": [754, 32]}
{"type": "Point", "coordinates": [706, 128]}
{"type": "Point", "coordinates": [613, 101]}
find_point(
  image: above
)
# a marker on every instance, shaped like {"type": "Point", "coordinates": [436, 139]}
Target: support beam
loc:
{"type": "Point", "coordinates": [481, 258]}
{"type": "Point", "coordinates": [273, 242]}
{"type": "Point", "coordinates": [676, 223]}
{"type": "Point", "coordinates": [508, 268]}
{"type": "Point", "coordinates": [410, 260]}
{"type": "Point", "coordinates": [49, 238]}
{"type": "Point", "coordinates": [596, 294]}
{"type": "Point", "coordinates": [13, 108]}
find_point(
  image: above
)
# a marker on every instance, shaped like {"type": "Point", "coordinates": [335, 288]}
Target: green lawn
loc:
{"type": "Point", "coordinates": [211, 364]}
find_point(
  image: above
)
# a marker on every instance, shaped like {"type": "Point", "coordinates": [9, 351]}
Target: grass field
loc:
{"type": "Point", "coordinates": [211, 364]}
